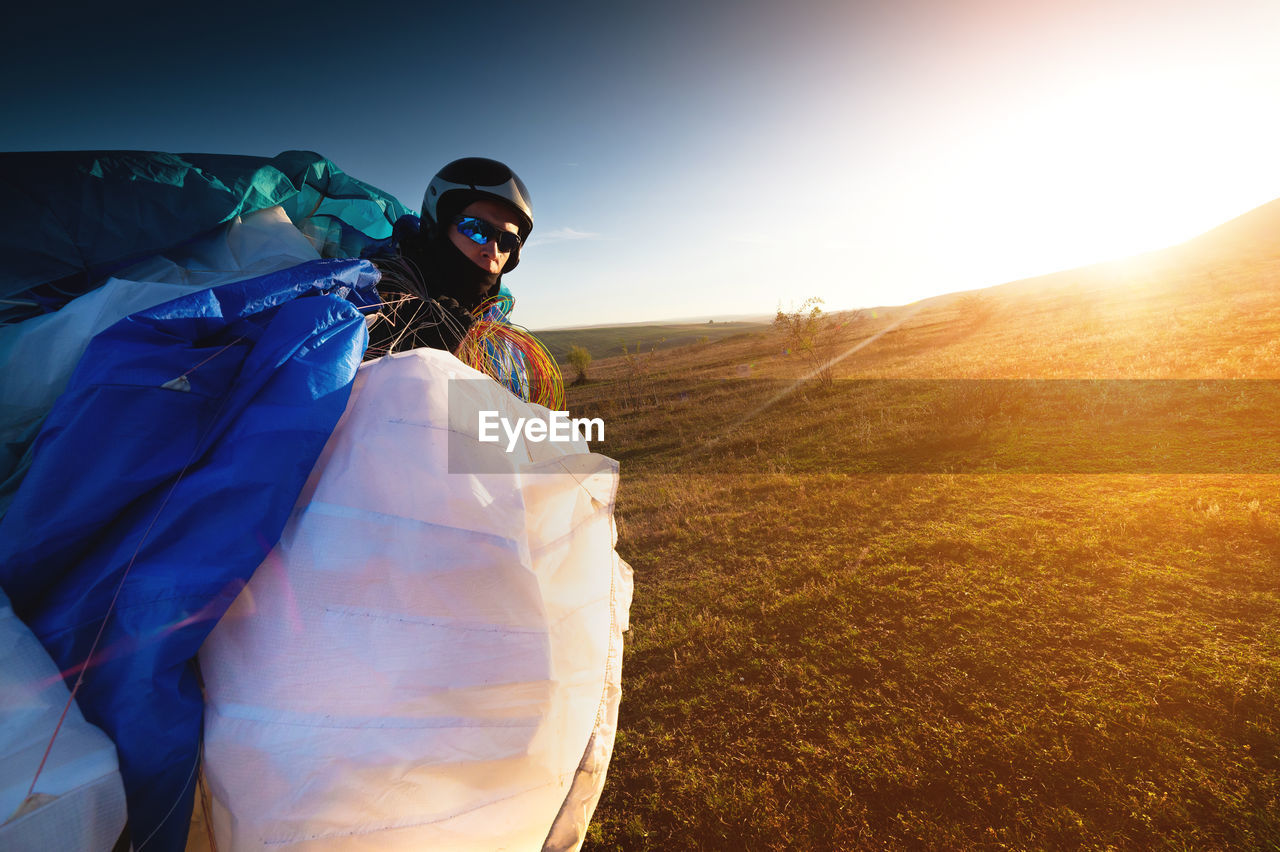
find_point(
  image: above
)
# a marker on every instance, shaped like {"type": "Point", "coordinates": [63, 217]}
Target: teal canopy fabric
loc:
{"type": "Point", "coordinates": [68, 219]}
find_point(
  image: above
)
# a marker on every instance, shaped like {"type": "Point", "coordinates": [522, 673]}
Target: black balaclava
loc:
{"type": "Point", "coordinates": [444, 270]}
{"type": "Point", "coordinates": [451, 273]}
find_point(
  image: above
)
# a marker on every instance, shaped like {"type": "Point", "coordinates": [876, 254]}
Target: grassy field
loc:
{"type": "Point", "coordinates": [852, 631]}
{"type": "Point", "coordinates": [608, 341]}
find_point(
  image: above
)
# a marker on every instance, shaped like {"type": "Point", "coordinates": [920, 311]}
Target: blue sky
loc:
{"type": "Point", "coordinates": [715, 158]}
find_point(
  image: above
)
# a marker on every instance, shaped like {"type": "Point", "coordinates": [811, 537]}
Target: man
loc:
{"type": "Point", "coordinates": [476, 216]}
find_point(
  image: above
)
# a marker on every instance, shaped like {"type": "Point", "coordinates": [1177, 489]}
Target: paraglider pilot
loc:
{"type": "Point", "coordinates": [475, 218]}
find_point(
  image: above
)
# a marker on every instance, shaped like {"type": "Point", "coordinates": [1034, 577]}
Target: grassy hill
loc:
{"type": "Point", "coordinates": [855, 628]}
{"type": "Point", "coordinates": [614, 340]}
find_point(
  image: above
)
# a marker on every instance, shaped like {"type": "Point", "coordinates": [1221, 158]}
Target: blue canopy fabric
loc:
{"type": "Point", "coordinates": [176, 453]}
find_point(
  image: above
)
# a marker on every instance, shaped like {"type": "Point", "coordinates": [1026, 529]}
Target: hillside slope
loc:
{"type": "Point", "coordinates": [1207, 308]}
{"type": "Point", "coordinates": [874, 615]}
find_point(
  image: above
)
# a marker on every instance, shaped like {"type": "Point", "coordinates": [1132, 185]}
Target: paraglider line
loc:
{"type": "Point", "coordinates": [176, 801]}
{"type": "Point", "coordinates": [130, 644]}
{"type": "Point", "coordinates": [512, 355]}
{"type": "Point", "coordinates": [206, 361]}
{"type": "Point", "coordinates": [123, 577]}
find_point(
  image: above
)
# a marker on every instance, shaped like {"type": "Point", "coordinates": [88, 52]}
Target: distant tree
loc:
{"type": "Point", "coordinates": [810, 333]}
{"type": "Point", "coordinates": [579, 359]}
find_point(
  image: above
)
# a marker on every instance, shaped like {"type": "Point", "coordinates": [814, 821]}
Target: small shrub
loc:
{"type": "Point", "coordinates": [810, 333]}
{"type": "Point", "coordinates": [580, 360]}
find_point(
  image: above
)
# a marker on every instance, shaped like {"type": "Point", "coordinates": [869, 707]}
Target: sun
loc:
{"type": "Point", "coordinates": [1122, 166]}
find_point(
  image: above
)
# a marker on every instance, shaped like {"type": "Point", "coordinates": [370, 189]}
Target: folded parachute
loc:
{"type": "Point", "coordinates": [88, 237]}
{"type": "Point", "coordinates": [174, 455]}
{"type": "Point", "coordinates": [218, 305]}
{"type": "Point", "coordinates": [427, 659]}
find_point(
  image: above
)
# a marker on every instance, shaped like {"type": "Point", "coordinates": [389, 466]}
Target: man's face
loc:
{"type": "Point", "coordinates": [488, 257]}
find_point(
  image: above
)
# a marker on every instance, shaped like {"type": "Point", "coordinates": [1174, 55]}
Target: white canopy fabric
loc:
{"type": "Point", "coordinates": [427, 659]}
{"type": "Point", "coordinates": [78, 801]}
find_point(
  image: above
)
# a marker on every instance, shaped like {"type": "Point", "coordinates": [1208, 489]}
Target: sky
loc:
{"type": "Point", "coordinates": [716, 158]}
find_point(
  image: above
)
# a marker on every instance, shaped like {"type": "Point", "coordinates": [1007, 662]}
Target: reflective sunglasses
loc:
{"type": "Point", "coordinates": [480, 232]}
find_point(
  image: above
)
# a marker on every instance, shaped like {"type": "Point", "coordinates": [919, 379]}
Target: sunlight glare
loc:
{"type": "Point", "coordinates": [1115, 166]}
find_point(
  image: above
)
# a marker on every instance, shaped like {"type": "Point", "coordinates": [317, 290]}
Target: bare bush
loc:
{"type": "Point", "coordinates": [810, 333]}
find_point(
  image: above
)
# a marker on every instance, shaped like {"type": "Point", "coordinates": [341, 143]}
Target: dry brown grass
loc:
{"type": "Point", "coordinates": [820, 660]}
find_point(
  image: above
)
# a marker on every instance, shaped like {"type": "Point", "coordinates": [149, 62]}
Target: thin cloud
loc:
{"type": "Point", "coordinates": [561, 235]}
{"type": "Point", "coordinates": [758, 239]}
